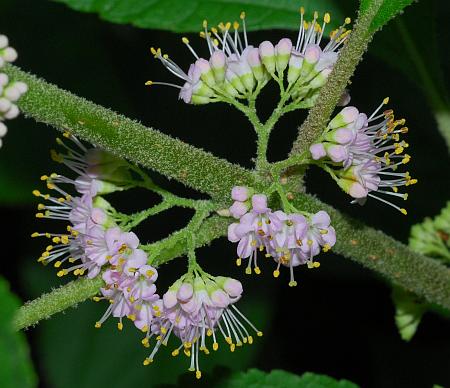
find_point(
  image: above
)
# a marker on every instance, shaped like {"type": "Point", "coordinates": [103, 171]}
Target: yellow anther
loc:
{"type": "Point", "coordinates": [242, 15]}
{"type": "Point", "coordinates": [302, 10]}
{"type": "Point", "coordinates": [145, 342]}
{"type": "Point", "coordinates": [326, 247]}
{"type": "Point", "coordinates": [131, 317]}
{"type": "Point", "coordinates": [65, 239]}
{"type": "Point", "coordinates": [248, 270]}
{"type": "Point", "coordinates": [316, 264]}
{"type": "Point", "coordinates": [259, 333]}
{"type": "Point", "coordinates": [404, 130]}
{"type": "Point", "coordinates": [185, 40]}
{"type": "Point", "coordinates": [228, 340]}
{"type": "Point", "coordinates": [347, 20]}
{"type": "Point", "coordinates": [232, 347]}
{"type": "Point", "coordinates": [238, 262]}
{"type": "Point", "coordinates": [120, 326]}
{"type": "Point", "coordinates": [310, 242]}
{"type": "Point", "coordinates": [98, 325]}
{"type": "Point", "coordinates": [149, 83]}
{"type": "Point", "coordinates": [175, 353]}
{"type": "Point", "coordinates": [276, 273]}
{"type": "Point", "coordinates": [406, 159]}
{"type": "Point", "coordinates": [36, 193]}
{"type": "Point", "coordinates": [305, 25]}
{"type": "Point", "coordinates": [62, 273]}
{"type": "Point", "coordinates": [386, 100]}
{"type": "Point", "coordinates": [163, 330]}
{"type": "Point", "coordinates": [41, 206]}
{"type": "Point", "coordinates": [250, 339]}
{"type": "Point", "coordinates": [205, 23]}
{"type": "Point", "coordinates": [228, 25]}
{"type": "Point", "coordinates": [40, 215]}
{"type": "Point", "coordinates": [198, 374]}
{"type": "Point", "coordinates": [147, 361]}
{"type": "Point", "coordinates": [187, 352]}
{"type": "Point", "coordinates": [209, 332]}
{"type": "Point", "coordinates": [187, 345]}
{"type": "Point", "coordinates": [150, 273]}
{"type": "Point", "coordinates": [35, 234]}
{"type": "Point", "coordinates": [153, 51]}
{"type": "Point", "coordinates": [166, 56]}
{"type": "Point", "coordinates": [44, 177]}
{"type": "Point", "coordinates": [66, 134]}
{"type": "Point", "coordinates": [76, 272]}
{"type": "Point", "coordinates": [72, 260]}
{"type": "Point", "coordinates": [257, 270]}
{"type": "Point", "coordinates": [214, 30]}
{"type": "Point", "coordinates": [403, 211]}
{"type": "Point", "coordinates": [144, 328]}
{"type": "Point", "coordinates": [405, 196]}
{"type": "Point", "coordinates": [316, 14]}
{"type": "Point", "coordinates": [327, 18]}
{"type": "Point", "coordinates": [215, 346]}
{"type": "Point", "coordinates": [57, 264]}
{"type": "Point", "coordinates": [56, 240]}
{"type": "Point", "coordinates": [292, 283]}
{"type": "Point", "coordinates": [236, 25]}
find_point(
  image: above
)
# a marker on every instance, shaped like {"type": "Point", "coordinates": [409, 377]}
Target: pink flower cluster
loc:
{"type": "Point", "coordinates": [129, 280]}
{"type": "Point", "coordinates": [91, 231]}
{"type": "Point", "coordinates": [193, 309]}
{"type": "Point", "coordinates": [369, 151]}
{"type": "Point", "coordinates": [236, 69]}
{"type": "Point", "coordinates": [290, 239]}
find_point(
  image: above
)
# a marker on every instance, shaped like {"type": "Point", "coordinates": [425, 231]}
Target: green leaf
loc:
{"type": "Point", "coordinates": [179, 16]}
{"type": "Point", "coordinates": [255, 378]}
{"type": "Point", "coordinates": [388, 10]}
{"type": "Point", "coordinates": [408, 312]}
{"type": "Point", "coordinates": [16, 369]}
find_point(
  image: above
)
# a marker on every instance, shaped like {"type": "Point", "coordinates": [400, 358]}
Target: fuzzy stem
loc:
{"type": "Point", "coordinates": [129, 139]}
{"type": "Point", "coordinates": [56, 301]}
{"type": "Point", "coordinates": [330, 94]}
{"type": "Point", "coordinates": [375, 250]}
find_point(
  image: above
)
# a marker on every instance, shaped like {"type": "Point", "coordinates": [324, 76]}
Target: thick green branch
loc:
{"type": "Point", "coordinates": [129, 139]}
{"type": "Point", "coordinates": [330, 94]}
{"type": "Point", "coordinates": [56, 301]}
{"type": "Point", "coordinates": [375, 250]}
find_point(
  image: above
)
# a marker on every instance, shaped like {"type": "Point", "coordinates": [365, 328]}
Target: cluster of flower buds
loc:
{"type": "Point", "coordinates": [91, 230]}
{"type": "Point", "coordinates": [196, 308]}
{"type": "Point", "coordinates": [291, 239]}
{"type": "Point", "coordinates": [10, 92]}
{"type": "Point", "coordinates": [237, 69]}
{"type": "Point", "coordinates": [129, 280]}
{"type": "Point", "coordinates": [363, 154]}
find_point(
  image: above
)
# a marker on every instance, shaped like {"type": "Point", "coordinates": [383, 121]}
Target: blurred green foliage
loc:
{"type": "Point", "coordinates": [16, 369]}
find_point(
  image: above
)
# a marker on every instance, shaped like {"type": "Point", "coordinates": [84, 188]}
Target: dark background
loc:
{"type": "Point", "coordinates": [338, 321]}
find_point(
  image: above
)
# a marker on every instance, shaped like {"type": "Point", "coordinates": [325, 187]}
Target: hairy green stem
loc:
{"type": "Point", "coordinates": [56, 301]}
{"type": "Point", "coordinates": [375, 250]}
{"type": "Point", "coordinates": [329, 96]}
{"type": "Point", "coordinates": [129, 139]}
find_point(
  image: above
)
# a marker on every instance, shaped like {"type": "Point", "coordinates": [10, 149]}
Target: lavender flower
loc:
{"type": "Point", "coordinates": [195, 308]}
{"type": "Point", "coordinates": [237, 69]}
{"type": "Point", "coordinates": [291, 239]}
{"type": "Point", "coordinates": [370, 152]}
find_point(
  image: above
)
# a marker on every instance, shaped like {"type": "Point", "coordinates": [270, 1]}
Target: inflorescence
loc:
{"type": "Point", "coordinates": [235, 69]}
{"type": "Point", "coordinates": [363, 154]}
{"type": "Point", "coordinates": [10, 92]}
